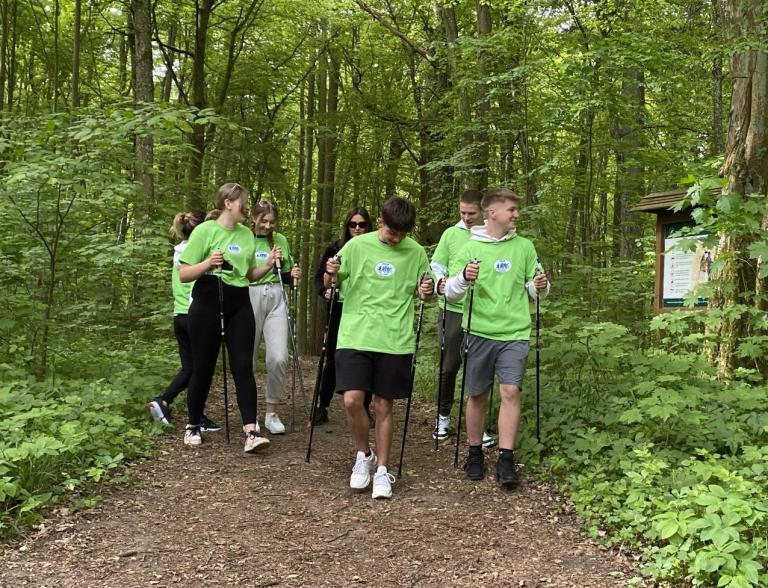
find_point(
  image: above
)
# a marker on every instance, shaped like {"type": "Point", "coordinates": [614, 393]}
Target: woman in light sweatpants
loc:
{"type": "Point", "coordinates": [269, 309]}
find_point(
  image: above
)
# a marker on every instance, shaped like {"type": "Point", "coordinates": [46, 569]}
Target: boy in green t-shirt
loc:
{"type": "Point", "coordinates": [501, 324]}
{"type": "Point", "coordinates": [378, 274]}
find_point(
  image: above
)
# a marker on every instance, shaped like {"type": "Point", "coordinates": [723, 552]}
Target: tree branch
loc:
{"type": "Point", "coordinates": [411, 44]}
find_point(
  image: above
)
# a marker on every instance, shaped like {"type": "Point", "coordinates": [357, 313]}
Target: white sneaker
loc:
{"type": "Point", "coordinates": [441, 429]}
{"type": "Point", "coordinates": [273, 423]}
{"type": "Point", "coordinates": [488, 441]}
{"type": "Point", "coordinates": [254, 443]}
{"type": "Point", "coordinates": [192, 436]}
{"type": "Point", "coordinates": [361, 472]}
{"type": "Point", "coordinates": [382, 483]}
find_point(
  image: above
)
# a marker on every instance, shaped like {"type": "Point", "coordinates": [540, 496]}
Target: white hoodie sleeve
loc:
{"type": "Point", "coordinates": [534, 294]}
{"type": "Point", "coordinates": [455, 287]}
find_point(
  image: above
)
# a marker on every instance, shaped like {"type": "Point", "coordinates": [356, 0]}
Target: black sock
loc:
{"type": "Point", "coordinates": [506, 454]}
{"type": "Point", "coordinates": [368, 453]}
{"type": "Point", "coordinates": [475, 448]}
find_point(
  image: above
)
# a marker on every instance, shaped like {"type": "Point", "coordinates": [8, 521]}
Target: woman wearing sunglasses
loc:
{"type": "Point", "coordinates": [357, 222]}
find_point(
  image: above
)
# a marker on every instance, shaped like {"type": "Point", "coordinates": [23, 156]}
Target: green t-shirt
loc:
{"type": "Point", "coordinates": [182, 291]}
{"type": "Point", "coordinates": [451, 242]}
{"type": "Point", "coordinates": [262, 252]}
{"type": "Point", "coordinates": [500, 308]}
{"type": "Point", "coordinates": [236, 244]}
{"type": "Point", "coordinates": [379, 282]}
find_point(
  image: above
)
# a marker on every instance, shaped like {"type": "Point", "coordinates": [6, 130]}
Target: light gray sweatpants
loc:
{"type": "Point", "coordinates": [272, 321]}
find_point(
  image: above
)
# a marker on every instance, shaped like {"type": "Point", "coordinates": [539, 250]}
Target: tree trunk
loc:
{"type": "Point", "coordinates": [204, 8]}
{"type": "Point", "coordinates": [144, 92]}
{"type": "Point", "coordinates": [55, 77]}
{"type": "Point", "coordinates": [451, 30]}
{"type": "Point", "coordinates": [12, 60]}
{"type": "Point", "coordinates": [717, 144]}
{"type": "Point", "coordinates": [746, 169]}
{"type": "Point", "coordinates": [306, 294]}
{"type": "Point", "coordinates": [392, 166]}
{"type": "Point", "coordinates": [76, 54]}
{"type": "Point", "coordinates": [168, 79]}
{"type": "Point", "coordinates": [627, 127]}
{"type": "Point", "coordinates": [484, 26]}
{"type": "Point", "coordinates": [329, 181]}
{"type": "Point", "coordinates": [3, 50]}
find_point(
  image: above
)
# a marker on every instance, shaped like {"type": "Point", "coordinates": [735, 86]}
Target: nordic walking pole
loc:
{"type": "Point", "coordinates": [440, 372]}
{"type": "Point", "coordinates": [464, 370]}
{"type": "Point", "coordinates": [223, 355]}
{"type": "Point", "coordinates": [539, 269]}
{"type": "Point", "coordinates": [413, 378]}
{"type": "Point", "coordinates": [489, 418]}
{"type": "Point", "coordinates": [292, 335]}
{"type": "Point", "coordinates": [321, 367]}
{"type": "Point", "coordinates": [291, 319]}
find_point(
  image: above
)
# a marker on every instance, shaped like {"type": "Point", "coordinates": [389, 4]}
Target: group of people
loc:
{"type": "Point", "coordinates": [482, 271]}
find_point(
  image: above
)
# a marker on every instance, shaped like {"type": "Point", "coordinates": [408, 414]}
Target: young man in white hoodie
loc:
{"type": "Point", "coordinates": [501, 324]}
{"type": "Point", "coordinates": [450, 313]}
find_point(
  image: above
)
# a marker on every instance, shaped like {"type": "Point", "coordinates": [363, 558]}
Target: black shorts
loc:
{"type": "Point", "coordinates": [383, 374]}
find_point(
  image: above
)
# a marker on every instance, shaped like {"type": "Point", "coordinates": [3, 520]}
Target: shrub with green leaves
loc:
{"type": "Point", "coordinates": [653, 449]}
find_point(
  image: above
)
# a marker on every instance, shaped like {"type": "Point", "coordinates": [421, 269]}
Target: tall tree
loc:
{"type": "Point", "coordinates": [144, 91]}
{"type": "Point", "coordinates": [76, 53]}
{"type": "Point", "coordinates": [745, 167]}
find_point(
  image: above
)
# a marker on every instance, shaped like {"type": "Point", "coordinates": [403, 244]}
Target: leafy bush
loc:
{"type": "Point", "coordinates": [59, 437]}
{"type": "Point", "coordinates": [653, 449]}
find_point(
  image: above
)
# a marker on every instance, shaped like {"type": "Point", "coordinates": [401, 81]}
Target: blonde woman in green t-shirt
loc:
{"type": "Point", "coordinates": [219, 257]}
{"type": "Point", "coordinates": [268, 304]}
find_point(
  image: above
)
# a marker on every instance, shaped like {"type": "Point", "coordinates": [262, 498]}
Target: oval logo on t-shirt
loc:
{"type": "Point", "coordinates": [384, 269]}
{"type": "Point", "coordinates": [262, 255]}
{"type": "Point", "coordinates": [232, 248]}
{"type": "Point", "coordinates": [502, 266]}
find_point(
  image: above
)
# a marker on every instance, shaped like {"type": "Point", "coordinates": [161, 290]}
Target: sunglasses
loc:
{"type": "Point", "coordinates": [360, 225]}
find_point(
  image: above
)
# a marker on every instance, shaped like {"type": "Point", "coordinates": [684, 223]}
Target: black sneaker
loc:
{"type": "Point", "coordinates": [321, 416]}
{"type": "Point", "coordinates": [506, 472]}
{"type": "Point", "coordinates": [474, 466]}
{"type": "Point", "coordinates": [208, 426]}
{"type": "Point", "coordinates": [159, 411]}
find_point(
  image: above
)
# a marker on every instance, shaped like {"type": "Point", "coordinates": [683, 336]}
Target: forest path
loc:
{"type": "Point", "coordinates": [213, 516]}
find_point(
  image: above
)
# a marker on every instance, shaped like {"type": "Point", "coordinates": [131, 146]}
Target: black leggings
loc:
{"type": "Point", "coordinates": [205, 334]}
{"type": "Point", "coordinates": [180, 380]}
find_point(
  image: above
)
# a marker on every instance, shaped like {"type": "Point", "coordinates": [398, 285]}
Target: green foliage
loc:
{"type": "Point", "coordinates": [653, 449]}
{"type": "Point", "coordinates": [86, 285]}
{"type": "Point", "coordinates": [61, 437]}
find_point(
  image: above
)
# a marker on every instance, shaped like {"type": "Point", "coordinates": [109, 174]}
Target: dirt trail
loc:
{"type": "Point", "coordinates": [215, 517]}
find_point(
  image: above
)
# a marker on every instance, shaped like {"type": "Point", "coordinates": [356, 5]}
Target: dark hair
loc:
{"type": "Point", "coordinates": [230, 191]}
{"type": "Point", "coordinates": [184, 222]}
{"type": "Point", "coordinates": [346, 235]}
{"type": "Point", "coordinates": [261, 208]}
{"type": "Point", "coordinates": [398, 214]}
{"type": "Point", "coordinates": [471, 196]}
{"type": "Point", "coordinates": [495, 195]}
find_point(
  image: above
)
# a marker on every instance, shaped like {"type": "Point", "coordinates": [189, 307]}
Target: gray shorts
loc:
{"type": "Point", "coordinates": [506, 358]}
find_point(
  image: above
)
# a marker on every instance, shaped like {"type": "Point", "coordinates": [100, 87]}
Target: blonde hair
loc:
{"type": "Point", "coordinates": [495, 195]}
{"type": "Point", "coordinates": [230, 191]}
